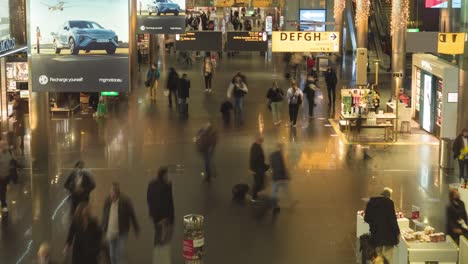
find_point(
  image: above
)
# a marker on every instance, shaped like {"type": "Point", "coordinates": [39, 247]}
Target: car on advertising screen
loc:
{"type": "Point", "coordinates": [163, 7]}
{"type": "Point", "coordinates": [77, 35]}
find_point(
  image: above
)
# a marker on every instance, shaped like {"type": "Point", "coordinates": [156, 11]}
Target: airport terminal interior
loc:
{"type": "Point", "coordinates": [241, 131]}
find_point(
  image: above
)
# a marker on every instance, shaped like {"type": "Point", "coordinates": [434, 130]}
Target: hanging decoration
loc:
{"type": "Point", "coordinates": [362, 12]}
{"type": "Point", "coordinates": [338, 8]}
{"type": "Point", "coordinates": [400, 15]}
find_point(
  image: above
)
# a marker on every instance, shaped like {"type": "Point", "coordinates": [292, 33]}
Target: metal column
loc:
{"type": "Point", "coordinates": [362, 22]}
{"type": "Point", "coordinates": [133, 45]}
{"type": "Point", "coordinates": [398, 42]}
{"type": "Point", "coordinates": [339, 20]}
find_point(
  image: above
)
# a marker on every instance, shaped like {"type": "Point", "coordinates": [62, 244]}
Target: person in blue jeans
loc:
{"type": "Point", "coordinates": [280, 175]}
{"type": "Point", "coordinates": [118, 215]}
{"type": "Point", "coordinates": [238, 89]}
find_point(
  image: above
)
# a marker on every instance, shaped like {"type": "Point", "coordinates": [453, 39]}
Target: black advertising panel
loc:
{"type": "Point", "coordinates": [79, 45]}
{"type": "Point", "coordinates": [200, 41]}
{"type": "Point", "coordinates": [247, 41]}
{"type": "Point", "coordinates": [161, 16]}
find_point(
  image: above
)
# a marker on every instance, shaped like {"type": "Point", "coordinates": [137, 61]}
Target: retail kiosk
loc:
{"type": "Point", "coordinates": [435, 95]}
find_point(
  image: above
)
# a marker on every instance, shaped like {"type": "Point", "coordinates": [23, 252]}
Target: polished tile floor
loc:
{"type": "Point", "coordinates": [330, 180]}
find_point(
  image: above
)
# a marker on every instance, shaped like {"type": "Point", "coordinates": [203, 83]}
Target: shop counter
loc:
{"type": "Point", "coordinates": [415, 252]}
{"type": "Point", "coordinates": [363, 227]}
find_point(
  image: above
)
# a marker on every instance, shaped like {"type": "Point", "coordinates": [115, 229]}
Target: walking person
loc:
{"type": "Point", "coordinates": [84, 235]}
{"type": "Point", "coordinates": [295, 98]}
{"type": "Point", "coordinates": [161, 211]}
{"type": "Point", "coordinates": [296, 63]}
{"type": "Point", "coordinates": [183, 93]}
{"type": "Point", "coordinates": [5, 171]}
{"type": "Point", "coordinates": [19, 124]}
{"type": "Point", "coordinates": [309, 91]}
{"type": "Point", "coordinates": [381, 217]}
{"type": "Point", "coordinates": [457, 219]}
{"type": "Point", "coordinates": [275, 97]}
{"type": "Point", "coordinates": [208, 71]}
{"type": "Point", "coordinates": [172, 84]}
{"type": "Point", "coordinates": [280, 175]}
{"type": "Point", "coordinates": [207, 139]}
{"type": "Point", "coordinates": [258, 166]}
{"type": "Point", "coordinates": [152, 80]}
{"type": "Point", "coordinates": [238, 89]}
{"type": "Point", "coordinates": [460, 152]}
{"type": "Point", "coordinates": [225, 109]}
{"type": "Point", "coordinates": [118, 215]}
{"type": "Point", "coordinates": [331, 81]}
{"type": "Point", "coordinates": [79, 183]}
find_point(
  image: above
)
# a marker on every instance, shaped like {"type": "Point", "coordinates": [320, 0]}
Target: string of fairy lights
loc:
{"type": "Point", "coordinates": [338, 8]}
{"type": "Point", "coordinates": [362, 12]}
{"type": "Point", "coordinates": [400, 15]}
{"type": "Point", "coordinates": [398, 19]}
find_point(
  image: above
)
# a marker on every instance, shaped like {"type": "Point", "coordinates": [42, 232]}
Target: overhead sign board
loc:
{"type": "Point", "coordinates": [451, 43]}
{"type": "Point", "coordinates": [229, 3]}
{"type": "Point", "coordinates": [262, 3]}
{"type": "Point", "coordinates": [247, 41]}
{"type": "Point", "coordinates": [298, 41]}
{"type": "Point", "coordinates": [199, 41]}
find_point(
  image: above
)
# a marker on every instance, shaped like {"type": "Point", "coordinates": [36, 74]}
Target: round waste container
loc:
{"type": "Point", "coordinates": [194, 239]}
{"type": "Point", "coordinates": [445, 153]}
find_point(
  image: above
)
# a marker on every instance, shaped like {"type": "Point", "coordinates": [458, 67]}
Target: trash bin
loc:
{"type": "Point", "coordinates": [445, 153]}
{"type": "Point", "coordinates": [194, 239]}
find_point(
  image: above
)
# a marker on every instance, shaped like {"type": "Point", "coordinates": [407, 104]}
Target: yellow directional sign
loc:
{"type": "Point", "coordinates": [301, 41]}
{"type": "Point", "coordinates": [262, 3]}
{"type": "Point", "coordinates": [229, 3]}
{"type": "Point", "coordinates": [451, 43]}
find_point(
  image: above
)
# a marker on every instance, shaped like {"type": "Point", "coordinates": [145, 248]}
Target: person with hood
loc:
{"type": "Point", "coordinates": [172, 84]}
{"type": "Point", "coordinates": [79, 183]}
{"type": "Point", "coordinates": [460, 152]}
{"type": "Point", "coordinates": [280, 175]}
{"type": "Point", "coordinates": [331, 80]}
{"type": "Point", "coordinates": [152, 80]}
{"type": "Point", "coordinates": [381, 217]}
{"type": "Point", "coordinates": [457, 219]}
{"type": "Point", "coordinates": [183, 93]}
{"type": "Point", "coordinates": [118, 215]}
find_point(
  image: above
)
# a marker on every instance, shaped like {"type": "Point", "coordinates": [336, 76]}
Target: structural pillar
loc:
{"type": "Point", "coordinates": [291, 13]}
{"type": "Point", "coordinates": [398, 28]}
{"type": "Point", "coordinates": [362, 22]}
{"type": "Point", "coordinates": [338, 14]}
{"type": "Point", "coordinates": [133, 45]}
{"type": "Point", "coordinates": [462, 121]}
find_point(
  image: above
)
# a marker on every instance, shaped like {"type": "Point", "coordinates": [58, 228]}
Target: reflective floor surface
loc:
{"type": "Point", "coordinates": [330, 180]}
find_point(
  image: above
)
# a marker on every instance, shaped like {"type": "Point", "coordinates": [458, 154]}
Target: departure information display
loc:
{"type": "Point", "coordinates": [247, 41]}
{"type": "Point", "coordinates": [200, 41]}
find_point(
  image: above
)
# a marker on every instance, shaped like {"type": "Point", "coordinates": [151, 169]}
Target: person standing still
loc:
{"type": "Point", "coordinates": [161, 211]}
{"type": "Point", "coordinates": [280, 175]}
{"type": "Point", "coordinates": [172, 84]}
{"type": "Point", "coordinates": [238, 89]}
{"type": "Point", "coordinates": [295, 98]}
{"type": "Point", "coordinates": [460, 152]}
{"type": "Point", "coordinates": [275, 97]}
{"type": "Point", "coordinates": [183, 93]}
{"type": "Point", "coordinates": [258, 166]}
{"type": "Point", "coordinates": [208, 71]}
{"type": "Point", "coordinates": [79, 183]}
{"type": "Point", "coordinates": [457, 219]}
{"type": "Point", "coordinates": [152, 79]}
{"type": "Point", "coordinates": [381, 217]}
{"type": "Point", "coordinates": [331, 80]}
{"type": "Point", "coordinates": [84, 235]}
{"type": "Point", "coordinates": [118, 215]}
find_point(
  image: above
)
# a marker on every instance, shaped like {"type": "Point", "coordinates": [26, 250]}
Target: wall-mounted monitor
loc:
{"type": "Point", "coordinates": [312, 19]}
{"type": "Point", "coordinates": [442, 3]}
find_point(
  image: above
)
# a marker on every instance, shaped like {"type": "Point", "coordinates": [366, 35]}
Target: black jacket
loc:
{"type": "Point", "coordinates": [160, 201]}
{"type": "Point", "coordinates": [275, 95]}
{"type": "Point", "coordinates": [87, 183]}
{"type": "Point", "coordinates": [183, 89]}
{"type": "Point", "coordinates": [278, 166]}
{"type": "Point", "coordinates": [172, 81]}
{"type": "Point", "coordinates": [381, 217]}
{"type": "Point", "coordinates": [330, 79]}
{"type": "Point", "coordinates": [86, 242]}
{"type": "Point", "coordinates": [126, 215]}
{"type": "Point", "coordinates": [455, 212]}
{"type": "Point", "coordinates": [458, 146]}
{"type": "Point", "coordinates": [257, 159]}
{"type": "Point", "coordinates": [307, 91]}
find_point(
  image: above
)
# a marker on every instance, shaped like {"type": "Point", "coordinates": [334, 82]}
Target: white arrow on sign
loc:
{"type": "Point", "coordinates": [333, 36]}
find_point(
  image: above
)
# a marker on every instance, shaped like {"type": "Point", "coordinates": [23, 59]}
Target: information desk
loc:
{"type": "Point", "coordinates": [415, 252]}
{"type": "Point", "coordinates": [385, 121]}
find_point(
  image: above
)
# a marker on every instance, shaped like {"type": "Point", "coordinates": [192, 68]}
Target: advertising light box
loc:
{"type": "Point", "coordinates": [298, 41]}
{"type": "Point", "coordinates": [200, 41]}
{"type": "Point", "coordinates": [442, 3]}
{"type": "Point", "coordinates": [312, 19]}
{"type": "Point", "coordinates": [161, 16]}
{"type": "Point", "coordinates": [247, 41]}
{"type": "Point", "coordinates": [7, 43]}
{"type": "Point", "coordinates": [79, 46]}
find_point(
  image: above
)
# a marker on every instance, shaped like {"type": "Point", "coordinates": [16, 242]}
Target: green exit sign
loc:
{"type": "Point", "coordinates": [412, 30]}
{"type": "Point", "coordinates": [109, 94]}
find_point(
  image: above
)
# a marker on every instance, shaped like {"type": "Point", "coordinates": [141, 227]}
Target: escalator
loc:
{"type": "Point", "coordinates": [379, 33]}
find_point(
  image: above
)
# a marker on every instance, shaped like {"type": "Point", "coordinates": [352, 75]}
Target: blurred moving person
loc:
{"type": "Point", "coordinates": [152, 80]}
{"type": "Point", "coordinates": [161, 211]}
{"type": "Point", "coordinates": [258, 166]}
{"type": "Point", "coordinates": [5, 177]}
{"type": "Point", "coordinates": [207, 138]}
{"type": "Point", "coordinates": [275, 97]}
{"type": "Point", "coordinates": [84, 236]}
{"type": "Point", "coordinates": [457, 219]}
{"type": "Point", "coordinates": [183, 94]}
{"type": "Point", "coordinates": [460, 152]}
{"type": "Point", "coordinates": [381, 217]}
{"type": "Point", "coordinates": [309, 91]}
{"type": "Point", "coordinates": [225, 109]}
{"type": "Point", "coordinates": [118, 215]}
{"type": "Point", "coordinates": [280, 175]}
{"type": "Point", "coordinates": [172, 85]}
{"type": "Point", "coordinates": [19, 124]}
{"type": "Point", "coordinates": [44, 254]}
{"type": "Point", "coordinates": [79, 183]}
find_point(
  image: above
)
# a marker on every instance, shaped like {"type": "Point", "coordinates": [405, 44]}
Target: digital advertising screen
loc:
{"type": "Point", "coordinates": [442, 3]}
{"type": "Point", "coordinates": [79, 45]}
{"type": "Point", "coordinates": [161, 16]}
{"type": "Point", "coordinates": [312, 19]}
{"type": "Point", "coordinates": [427, 103]}
{"type": "Point", "coordinates": [4, 20]}
{"type": "Point", "coordinates": [247, 41]}
{"type": "Point", "coordinates": [199, 41]}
